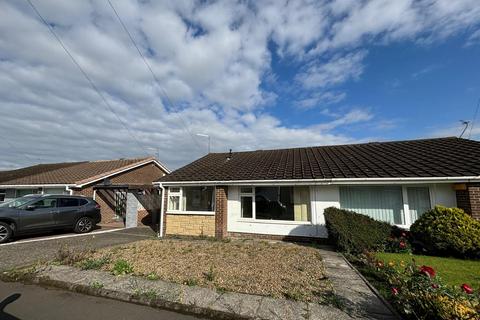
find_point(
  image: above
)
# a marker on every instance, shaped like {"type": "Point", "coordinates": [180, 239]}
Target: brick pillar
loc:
{"type": "Point", "coordinates": [164, 213]}
{"type": "Point", "coordinates": [468, 199]}
{"type": "Point", "coordinates": [221, 211]}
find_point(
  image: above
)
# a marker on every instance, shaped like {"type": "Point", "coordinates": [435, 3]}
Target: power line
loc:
{"type": "Point", "coordinates": [474, 119]}
{"type": "Point", "coordinates": [90, 81]}
{"type": "Point", "coordinates": [155, 78]}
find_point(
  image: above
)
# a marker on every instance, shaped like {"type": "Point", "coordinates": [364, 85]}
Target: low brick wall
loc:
{"type": "Point", "coordinates": [190, 225]}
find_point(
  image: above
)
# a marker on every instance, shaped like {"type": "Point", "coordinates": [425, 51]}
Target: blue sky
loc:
{"type": "Point", "coordinates": [414, 90]}
{"type": "Point", "coordinates": [250, 74]}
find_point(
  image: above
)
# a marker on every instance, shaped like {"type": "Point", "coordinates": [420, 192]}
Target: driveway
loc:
{"type": "Point", "coordinates": [28, 251]}
{"type": "Point", "coordinates": [42, 303]}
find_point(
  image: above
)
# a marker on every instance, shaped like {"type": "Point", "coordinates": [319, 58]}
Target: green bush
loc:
{"type": "Point", "coordinates": [355, 233]}
{"type": "Point", "coordinates": [447, 232]}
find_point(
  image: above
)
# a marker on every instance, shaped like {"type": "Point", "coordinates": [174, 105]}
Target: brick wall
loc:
{"type": "Point", "coordinates": [190, 225]}
{"type": "Point", "coordinates": [221, 211]}
{"type": "Point", "coordinates": [468, 199]}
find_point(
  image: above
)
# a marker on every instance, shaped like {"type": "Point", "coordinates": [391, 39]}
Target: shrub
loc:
{"type": "Point", "coordinates": [399, 241]}
{"type": "Point", "coordinates": [122, 267]}
{"type": "Point", "coordinates": [447, 232]}
{"type": "Point", "coordinates": [355, 233]}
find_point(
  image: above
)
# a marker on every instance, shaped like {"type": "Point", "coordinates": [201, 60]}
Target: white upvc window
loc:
{"type": "Point", "coordinates": [247, 202]}
{"type": "Point", "coordinates": [174, 198]}
{"type": "Point", "coordinates": [399, 205]}
{"type": "Point", "coordinates": [191, 199]}
{"type": "Point", "coordinates": [276, 203]}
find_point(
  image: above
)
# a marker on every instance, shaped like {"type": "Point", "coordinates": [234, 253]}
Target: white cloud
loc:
{"type": "Point", "coordinates": [212, 58]}
{"type": "Point", "coordinates": [335, 71]}
{"type": "Point", "coordinates": [351, 117]}
{"type": "Point", "coordinates": [473, 39]}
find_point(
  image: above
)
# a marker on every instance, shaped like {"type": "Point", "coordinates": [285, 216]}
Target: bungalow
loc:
{"type": "Point", "coordinates": [123, 188]}
{"type": "Point", "coordinates": [283, 193]}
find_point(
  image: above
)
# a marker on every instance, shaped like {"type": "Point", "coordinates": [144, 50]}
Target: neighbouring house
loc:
{"type": "Point", "coordinates": [283, 193]}
{"type": "Point", "coordinates": [122, 187]}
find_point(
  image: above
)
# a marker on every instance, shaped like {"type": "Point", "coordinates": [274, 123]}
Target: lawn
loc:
{"type": "Point", "coordinates": [247, 266]}
{"type": "Point", "coordinates": [453, 271]}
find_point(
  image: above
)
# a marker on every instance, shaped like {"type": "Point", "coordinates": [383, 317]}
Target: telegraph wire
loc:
{"type": "Point", "coordinates": [87, 77]}
{"type": "Point", "coordinates": [155, 78]}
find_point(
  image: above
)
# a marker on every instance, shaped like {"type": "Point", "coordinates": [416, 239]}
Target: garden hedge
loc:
{"type": "Point", "coordinates": [447, 232]}
{"type": "Point", "coordinates": [355, 233]}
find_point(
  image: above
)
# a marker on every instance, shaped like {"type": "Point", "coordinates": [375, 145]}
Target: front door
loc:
{"type": "Point", "coordinates": [38, 215]}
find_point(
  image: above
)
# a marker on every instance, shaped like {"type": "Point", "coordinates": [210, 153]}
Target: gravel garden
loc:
{"type": "Point", "coordinates": [276, 269]}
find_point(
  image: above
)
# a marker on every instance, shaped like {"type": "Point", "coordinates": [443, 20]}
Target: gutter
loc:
{"type": "Point", "coordinates": [162, 207]}
{"type": "Point", "coordinates": [332, 181]}
{"type": "Point", "coordinates": [22, 186]}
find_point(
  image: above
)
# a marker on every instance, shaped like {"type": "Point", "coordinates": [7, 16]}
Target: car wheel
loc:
{"type": "Point", "coordinates": [84, 225]}
{"type": "Point", "coordinates": [5, 232]}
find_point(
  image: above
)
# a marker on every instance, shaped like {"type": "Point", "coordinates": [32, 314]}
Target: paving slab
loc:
{"type": "Point", "coordinates": [177, 297]}
{"type": "Point", "coordinates": [352, 289]}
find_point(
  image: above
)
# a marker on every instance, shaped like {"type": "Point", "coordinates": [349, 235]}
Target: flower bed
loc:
{"type": "Point", "coordinates": [418, 293]}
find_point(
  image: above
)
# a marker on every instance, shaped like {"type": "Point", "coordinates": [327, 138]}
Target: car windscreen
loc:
{"type": "Point", "coordinates": [15, 203]}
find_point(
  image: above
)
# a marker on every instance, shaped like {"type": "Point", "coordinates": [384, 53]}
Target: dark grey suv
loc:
{"type": "Point", "coordinates": [38, 213]}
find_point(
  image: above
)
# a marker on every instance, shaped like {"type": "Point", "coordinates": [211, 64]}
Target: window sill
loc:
{"type": "Point", "coordinates": [202, 213]}
{"type": "Point", "coordinates": [261, 221]}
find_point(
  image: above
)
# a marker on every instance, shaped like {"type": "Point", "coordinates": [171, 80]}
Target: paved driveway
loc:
{"type": "Point", "coordinates": [28, 251]}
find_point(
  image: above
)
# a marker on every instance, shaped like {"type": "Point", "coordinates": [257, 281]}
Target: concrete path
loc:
{"type": "Point", "coordinates": [16, 254]}
{"type": "Point", "coordinates": [352, 289]}
{"type": "Point", "coordinates": [40, 303]}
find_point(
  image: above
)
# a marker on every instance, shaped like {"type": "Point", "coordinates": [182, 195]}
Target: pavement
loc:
{"type": "Point", "coordinates": [40, 303]}
{"type": "Point", "coordinates": [36, 249]}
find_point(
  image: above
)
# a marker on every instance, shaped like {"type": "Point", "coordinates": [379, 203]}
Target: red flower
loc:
{"type": "Point", "coordinates": [394, 291]}
{"type": "Point", "coordinates": [434, 286]}
{"type": "Point", "coordinates": [465, 287]}
{"type": "Point", "coordinates": [402, 245]}
{"type": "Point", "coordinates": [428, 271]}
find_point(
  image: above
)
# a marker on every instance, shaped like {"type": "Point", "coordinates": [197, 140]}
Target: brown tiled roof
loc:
{"type": "Point", "coordinates": [66, 173]}
{"type": "Point", "coordinates": [441, 157]}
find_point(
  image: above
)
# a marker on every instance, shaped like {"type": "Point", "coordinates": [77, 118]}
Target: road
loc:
{"type": "Point", "coordinates": [40, 303]}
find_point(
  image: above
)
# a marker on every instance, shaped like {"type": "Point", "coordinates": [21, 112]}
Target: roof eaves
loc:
{"type": "Point", "coordinates": [107, 174]}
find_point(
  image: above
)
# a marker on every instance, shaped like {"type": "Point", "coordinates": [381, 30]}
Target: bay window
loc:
{"type": "Point", "coordinates": [191, 199]}
{"type": "Point", "coordinates": [275, 203]}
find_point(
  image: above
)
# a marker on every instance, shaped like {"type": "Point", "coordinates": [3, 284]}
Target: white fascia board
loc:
{"type": "Point", "coordinates": [26, 186]}
{"type": "Point", "coordinates": [123, 170]}
{"type": "Point", "coordinates": [335, 181]}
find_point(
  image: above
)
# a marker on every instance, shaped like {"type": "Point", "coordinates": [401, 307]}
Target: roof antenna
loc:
{"type": "Point", "coordinates": [466, 124]}
{"type": "Point", "coordinates": [229, 155]}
